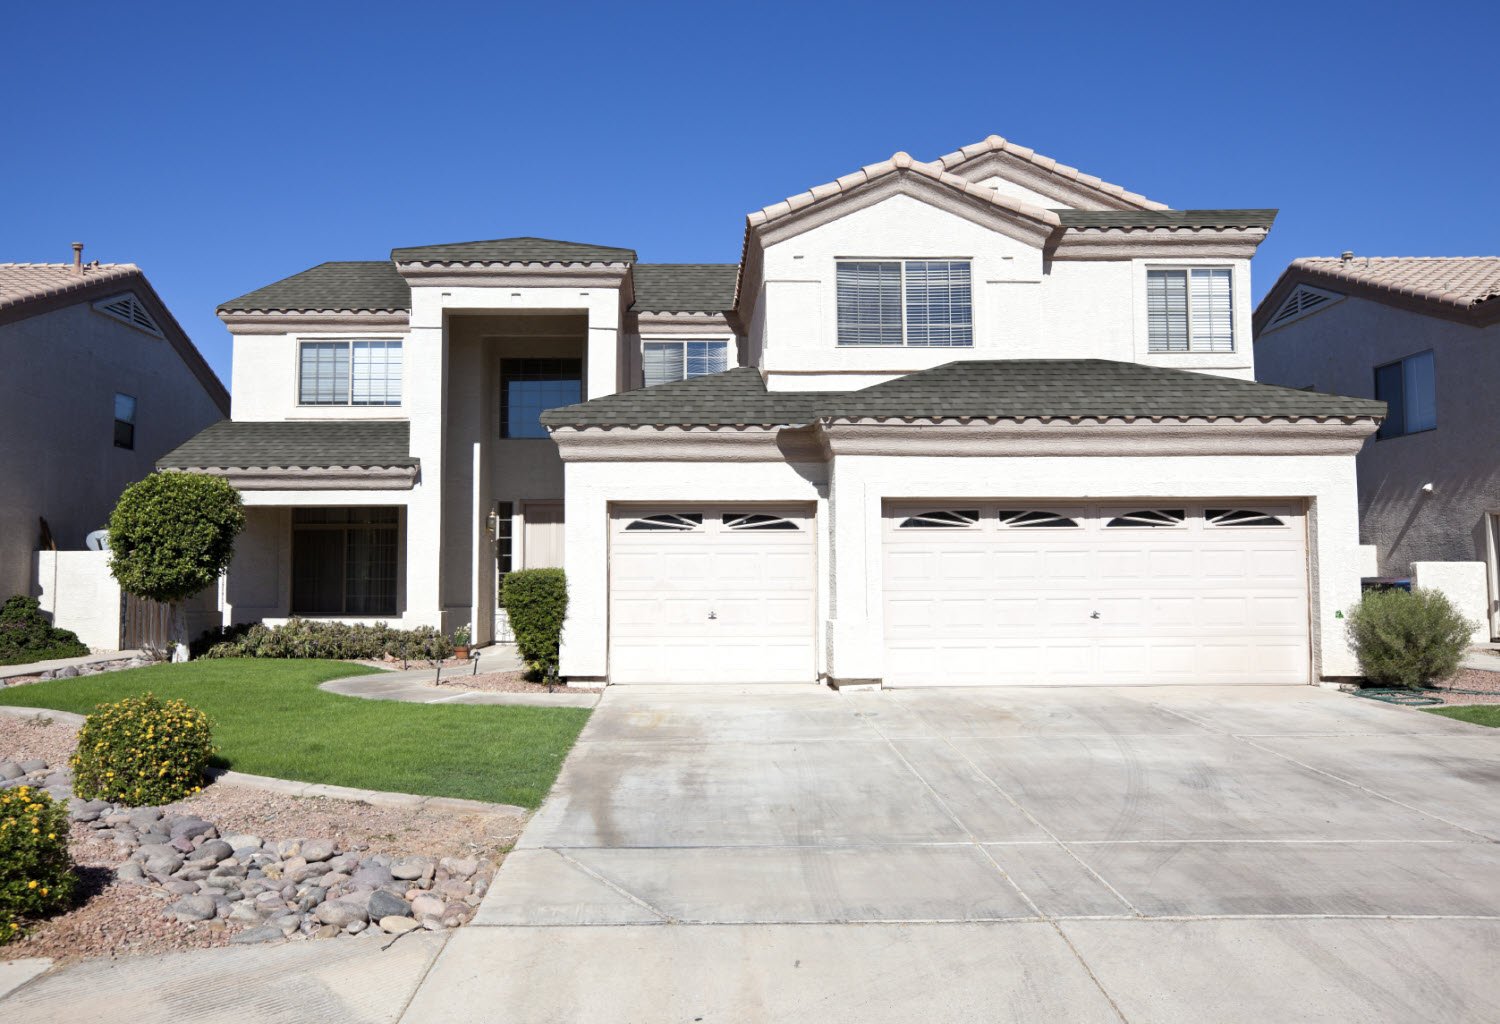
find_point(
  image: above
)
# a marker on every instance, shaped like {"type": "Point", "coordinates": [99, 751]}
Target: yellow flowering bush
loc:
{"type": "Point", "coordinates": [36, 873]}
{"type": "Point", "coordinates": [142, 751]}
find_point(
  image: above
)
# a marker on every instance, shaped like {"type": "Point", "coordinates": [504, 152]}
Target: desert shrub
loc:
{"type": "Point", "coordinates": [536, 601]}
{"type": "Point", "coordinates": [142, 751]}
{"type": "Point", "coordinates": [27, 636]}
{"type": "Point", "coordinates": [1408, 639]}
{"type": "Point", "coordinates": [305, 638]}
{"type": "Point", "coordinates": [36, 873]}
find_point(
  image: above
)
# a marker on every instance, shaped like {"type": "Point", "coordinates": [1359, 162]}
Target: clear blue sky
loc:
{"type": "Point", "coordinates": [222, 146]}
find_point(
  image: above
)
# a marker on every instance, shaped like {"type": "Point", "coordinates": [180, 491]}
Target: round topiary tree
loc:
{"type": "Point", "coordinates": [170, 536]}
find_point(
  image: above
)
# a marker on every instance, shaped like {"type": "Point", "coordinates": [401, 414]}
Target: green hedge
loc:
{"type": "Point", "coordinates": [304, 638]}
{"type": "Point", "coordinates": [36, 872]}
{"type": "Point", "coordinates": [142, 751]}
{"type": "Point", "coordinates": [536, 601]}
{"type": "Point", "coordinates": [27, 636]}
{"type": "Point", "coordinates": [1408, 639]}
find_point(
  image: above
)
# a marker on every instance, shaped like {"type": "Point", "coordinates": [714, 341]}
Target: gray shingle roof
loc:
{"type": "Point", "coordinates": [366, 285]}
{"type": "Point", "coordinates": [246, 444]}
{"type": "Point", "coordinates": [969, 388]}
{"type": "Point", "coordinates": [1166, 218]}
{"type": "Point", "coordinates": [684, 287]}
{"type": "Point", "coordinates": [513, 250]}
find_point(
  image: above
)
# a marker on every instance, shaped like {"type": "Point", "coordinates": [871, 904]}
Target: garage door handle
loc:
{"type": "Point", "coordinates": [1093, 615]}
{"type": "Point", "coordinates": [713, 615]}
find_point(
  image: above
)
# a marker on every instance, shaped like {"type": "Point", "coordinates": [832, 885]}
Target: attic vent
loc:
{"type": "Point", "coordinates": [1303, 300]}
{"type": "Point", "coordinates": [128, 309]}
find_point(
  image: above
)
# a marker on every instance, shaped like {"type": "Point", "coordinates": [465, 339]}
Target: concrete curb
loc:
{"type": "Point", "coordinates": [291, 787]}
{"type": "Point", "coordinates": [411, 687]}
{"type": "Point", "coordinates": [36, 668]}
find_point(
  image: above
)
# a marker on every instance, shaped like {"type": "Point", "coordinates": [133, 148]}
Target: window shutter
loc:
{"type": "Point", "coordinates": [869, 303]}
{"type": "Point", "coordinates": [1212, 307]}
{"type": "Point", "coordinates": [1166, 310]}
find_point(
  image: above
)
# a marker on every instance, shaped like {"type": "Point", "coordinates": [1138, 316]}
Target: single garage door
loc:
{"type": "Point", "coordinates": [708, 595]}
{"type": "Point", "coordinates": [1151, 592]}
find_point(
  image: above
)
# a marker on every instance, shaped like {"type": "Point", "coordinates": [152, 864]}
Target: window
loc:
{"type": "Point", "coordinates": [1190, 310]}
{"type": "Point", "coordinates": [1409, 389]}
{"type": "Point", "coordinates": [757, 521]}
{"type": "Point", "coordinates": [1025, 520]}
{"type": "Point", "coordinates": [678, 521]}
{"type": "Point", "coordinates": [942, 519]}
{"type": "Point", "coordinates": [529, 387]}
{"type": "Point", "coordinates": [504, 543]}
{"type": "Point", "coordinates": [666, 361]}
{"type": "Point", "coordinates": [344, 561]}
{"type": "Point", "coordinates": [925, 303]}
{"type": "Point", "coordinates": [1240, 517]}
{"type": "Point", "coordinates": [349, 373]}
{"type": "Point", "coordinates": [124, 421]}
{"type": "Point", "coordinates": [1151, 518]}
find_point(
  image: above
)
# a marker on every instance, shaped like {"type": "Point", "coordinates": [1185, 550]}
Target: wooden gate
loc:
{"type": "Point", "coordinates": [144, 624]}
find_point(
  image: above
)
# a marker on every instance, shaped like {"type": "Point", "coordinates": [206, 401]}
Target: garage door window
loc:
{"type": "Point", "coordinates": [757, 521]}
{"type": "Point", "coordinates": [669, 521]}
{"type": "Point", "coordinates": [1029, 519]}
{"type": "Point", "coordinates": [1240, 517]}
{"type": "Point", "coordinates": [1150, 518]}
{"type": "Point", "coordinates": [942, 519]}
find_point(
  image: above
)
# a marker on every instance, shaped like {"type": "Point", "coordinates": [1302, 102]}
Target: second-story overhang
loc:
{"type": "Point", "coordinates": [301, 454]}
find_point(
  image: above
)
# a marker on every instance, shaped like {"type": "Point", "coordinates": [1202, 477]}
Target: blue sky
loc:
{"type": "Point", "coordinates": [223, 146]}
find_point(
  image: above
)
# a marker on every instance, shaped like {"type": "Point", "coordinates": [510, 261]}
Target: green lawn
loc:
{"type": "Point", "coordinates": [270, 718]}
{"type": "Point", "coordinates": [1479, 714]}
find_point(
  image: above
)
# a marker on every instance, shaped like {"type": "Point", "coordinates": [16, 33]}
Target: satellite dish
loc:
{"type": "Point", "coordinates": [97, 541]}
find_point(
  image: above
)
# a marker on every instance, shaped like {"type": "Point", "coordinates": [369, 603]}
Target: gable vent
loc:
{"type": "Point", "coordinates": [129, 309]}
{"type": "Point", "coordinates": [1303, 300]}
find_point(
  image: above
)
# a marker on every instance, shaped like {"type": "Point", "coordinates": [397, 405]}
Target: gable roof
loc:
{"type": "Point", "coordinates": [995, 145]}
{"type": "Point", "coordinates": [307, 444]}
{"type": "Point", "coordinates": [684, 287]}
{"type": "Point", "coordinates": [1462, 288]}
{"type": "Point", "coordinates": [25, 282]}
{"type": "Point", "coordinates": [967, 389]}
{"type": "Point", "coordinates": [365, 286]}
{"type": "Point", "coordinates": [522, 249]}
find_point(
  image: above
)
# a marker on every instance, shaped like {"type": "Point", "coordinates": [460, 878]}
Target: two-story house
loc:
{"type": "Point", "coordinates": [986, 420]}
{"type": "Point", "coordinates": [100, 380]}
{"type": "Point", "coordinates": [1423, 335]}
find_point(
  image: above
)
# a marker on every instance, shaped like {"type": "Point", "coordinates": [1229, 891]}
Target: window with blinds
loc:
{"type": "Point", "coordinates": [349, 373]}
{"type": "Point", "coordinates": [1190, 310]}
{"type": "Point", "coordinates": [905, 302]}
{"type": "Point", "coordinates": [666, 361]}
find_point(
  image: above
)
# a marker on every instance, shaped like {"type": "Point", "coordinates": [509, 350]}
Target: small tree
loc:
{"type": "Point", "coordinates": [1408, 639]}
{"type": "Point", "coordinates": [536, 602]}
{"type": "Point", "coordinates": [170, 536]}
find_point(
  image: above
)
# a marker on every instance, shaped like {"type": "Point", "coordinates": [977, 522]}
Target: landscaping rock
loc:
{"type": "Point", "coordinates": [180, 886]}
{"type": "Point", "coordinates": [164, 865]}
{"type": "Point", "coordinates": [314, 850]}
{"type": "Point", "coordinates": [10, 770]}
{"type": "Point", "coordinates": [398, 925]}
{"type": "Point", "coordinates": [339, 913]}
{"type": "Point", "coordinates": [187, 828]}
{"type": "Point", "coordinates": [130, 872]}
{"type": "Point", "coordinates": [193, 908]}
{"type": "Point", "coordinates": [34, 765]}
{"type": "Point", "coordinates": [212, 852]}
{"type": "Point", "coordinates": [459, 867]}
{"type": "Point", "coordinates": [426, 906]}
{"type": "Point", "coordinates": [384, 904]}
{"type": "Point", "coordinates": [371, 875]}
{"type": "Point", "coordinates": [412, 867]}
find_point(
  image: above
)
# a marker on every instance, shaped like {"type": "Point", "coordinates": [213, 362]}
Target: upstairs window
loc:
{"type": "Point", "coordinates": [1190, 310]}
{"type": "Point", "coordinates": [124, 421]}
{"type": "Point", "coordinates": [920, 303]}
{"type": "Point", "coordinates": [666, 361]}
{"type": "Point", "coordinates": [349, 373]}
{"type": "Point", "coordinates": [1409, 389]}
{"type": "Point", "coordinates": [529, 387]}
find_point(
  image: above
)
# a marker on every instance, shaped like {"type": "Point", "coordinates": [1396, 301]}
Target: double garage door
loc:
{"type": "Point", "coordinates": [984, 593]}
{"type": "Point", "coordinates": [712, 594]}
{"type": "Point", "coordinates": [975, 593]}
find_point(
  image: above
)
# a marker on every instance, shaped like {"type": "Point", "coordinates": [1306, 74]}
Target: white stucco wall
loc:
{"type": "Point", "coordinates": [1466, 584]}
{"type": "Point", "coordinates": [1023, 309]}
{"type": "Point", "coordinates": [57, 454]}
{"type": "Point", "coordinates": [1336, 349]}
{"type": "Point", "coordinates": [77, 591]}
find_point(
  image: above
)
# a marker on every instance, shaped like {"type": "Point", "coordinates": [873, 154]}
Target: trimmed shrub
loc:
{"type": "Point", "coordinates": [536, 601]}
{"type": "Point", "coordinates": [172, 534]}
{"type": "Point", "coordinates": [304, 638]}
{"type": "Point", "coordinates": [1408, 639]}
{"type": "Point", "coordinates": [27, 636]}
{"type": "Point", "coordinates": [142, 751]}
{"type": "Point", "coordinates": [36, 872]}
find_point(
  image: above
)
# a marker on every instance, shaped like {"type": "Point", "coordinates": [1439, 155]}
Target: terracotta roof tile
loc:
{"type": "Point", "coordinates": [1463, 281]}
{"type": "Point", "coordinates": [996, 144]}
{"type": "Point", "coordinates": [23, 282]}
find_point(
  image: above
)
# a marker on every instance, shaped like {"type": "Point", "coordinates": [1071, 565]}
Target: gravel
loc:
{"type": "Point", "coordinates": [132, 913]}
{"type": "Point", "coordinates": [1470, 679]}
{"type": "Point", "coordinates": [504, 682]}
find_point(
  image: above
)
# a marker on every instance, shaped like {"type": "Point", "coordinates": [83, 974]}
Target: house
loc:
{"type": "Point", "coordinates": [982, 420]}
{"type": "Point", "coordinates": [100, 381]}
{"type": "Point", "coordinates": [1423, 335]}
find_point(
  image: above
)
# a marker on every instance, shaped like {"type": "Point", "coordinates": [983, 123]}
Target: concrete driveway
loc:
{"type": "Point", "coordinates": [1187, 854]}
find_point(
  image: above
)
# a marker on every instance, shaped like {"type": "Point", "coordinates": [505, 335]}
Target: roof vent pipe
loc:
{"type": "Point", "coordinates": [1347, 255]}
{"type": "Point", "coordinates": [77, 257]}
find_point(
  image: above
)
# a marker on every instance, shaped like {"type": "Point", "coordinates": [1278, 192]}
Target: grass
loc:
{"type": "Point", "coordinates": [1478, 714]}
{"type": "Point", "coordinates": [270, 718]}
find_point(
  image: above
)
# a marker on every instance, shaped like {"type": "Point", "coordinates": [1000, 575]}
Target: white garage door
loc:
{"type": "Point", "coordinates": [708, 595]}
{"type": "Point", "coordinates": [1152, 592]}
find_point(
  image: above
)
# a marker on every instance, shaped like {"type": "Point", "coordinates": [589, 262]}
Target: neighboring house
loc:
{"type": "Point", "coordinates": [1423, 335]}
{"type": "Point", "coordinates": [990, 420]}
{"type": "Point", "coordinates": [100, 381]}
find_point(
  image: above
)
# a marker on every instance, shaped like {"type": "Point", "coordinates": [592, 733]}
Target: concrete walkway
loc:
{"type": "Point", "coordinates": [1164, 855]}
{"type": "Point", "coordinates": [416, 686]}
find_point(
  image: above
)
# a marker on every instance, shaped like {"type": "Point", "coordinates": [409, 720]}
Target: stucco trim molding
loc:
{"type": "Point", "coordinates": [314, 321]}
{"type": "Point", "coordinates": [682, 323]}
{"type": "Point", "coordinates": [515, 275]}
{"type": "Point", "coordinates": [687, 444]}
{"type": "Point", "coordinates": [1157, 243]}
{"type": "Point", "coordinates": [321, 478]}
